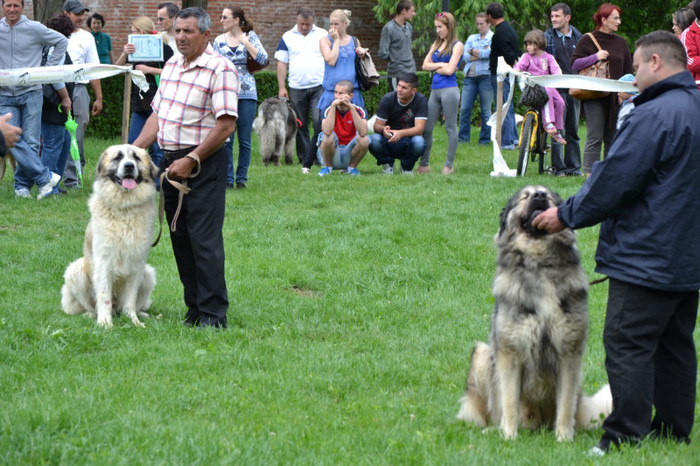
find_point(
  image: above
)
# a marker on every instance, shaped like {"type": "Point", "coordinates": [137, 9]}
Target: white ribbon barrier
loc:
{"type": "Point", "coordinates": [568, 81]}
{"type": "Point", "coordinates": [68, 73]}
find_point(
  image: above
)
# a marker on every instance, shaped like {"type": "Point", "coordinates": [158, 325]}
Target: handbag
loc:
{"type": "Point", "coordinates": [600, 69]}
{"type": "Point", "coordinates": [252, 65]}
{"type": "Point", "coordinates": [366, 72]}
{"type": "Point", "coordinates": [534, 96]}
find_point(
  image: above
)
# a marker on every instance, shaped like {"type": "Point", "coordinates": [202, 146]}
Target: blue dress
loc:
{"type": "Point", "coordinates": [344, 69]}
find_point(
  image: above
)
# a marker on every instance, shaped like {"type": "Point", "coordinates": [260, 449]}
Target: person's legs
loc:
{"type": "Point", "coordinates": [509, 135]}
{"type": "Point", "coordinates": [434, 112]}
{"type": "Point", "coordinates": [301, 105]}
{"type": "Point", "coordinates": [53, 138]}
{"type": "Point", "coordinates": [409, 150]}
{"type": "Point", "coordinates": [244, 128]}
{"type": "Point", "coordinates": [358, 149]}
{"type": "Point", "coordinates": [572, 152]}
{"type": "Point", "coordinates": [675, 365]}
{"type": "Point", "coordinates": [378, 147]}
{"type": "Point", "coordinates": [485, 101]}
{"type": "Point", "coordinates": [327, 149]}
{"type": "Point", "coordinates": [317, 119]}
{"type": "Point", "coordinates": [596, 120]}
{"type": "Point", "coordinates": [81, 113]}
{"type": "Point", "coordinates": [469, 91]}
{"type": "Point", "coordinates": [450, 104]}
{"type": "Point", "coordinates": [228, 147]}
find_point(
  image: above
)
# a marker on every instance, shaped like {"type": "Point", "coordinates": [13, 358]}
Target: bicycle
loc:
{"type": "Point", "coordinates": [533, 136]}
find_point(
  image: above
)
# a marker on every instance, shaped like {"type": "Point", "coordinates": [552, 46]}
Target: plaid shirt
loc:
{"type": "Point", "coordinates": [189, 100]}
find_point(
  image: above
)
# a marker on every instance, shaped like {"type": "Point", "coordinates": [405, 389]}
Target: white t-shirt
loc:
{"type": "Point", "coordinates": [82, 49]}
{"type": "Point", "coordinates": [303, 55]}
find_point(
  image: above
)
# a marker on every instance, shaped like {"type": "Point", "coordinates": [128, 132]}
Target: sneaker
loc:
{"type": "Point", "coordinates": [407, 172]}
{"type": "Point", "coordinates": [240, 185]}
{"type": "Point", "coordinates": [305, 170]}
{"type": "Point", "coordinates": [353, 171]}
{"type": "Point", "coordinates": [48, 187]}
{"type": "Point", "coordinates": [388, 169]}
{"type": "Point", "coordinates": [22, 193]}
{"type": "Point", "coordinates": [325, 171]}
{"type": "Point", "coordinates": [508, 147]}
{"type": "Point", "coordinates": [596, 452]}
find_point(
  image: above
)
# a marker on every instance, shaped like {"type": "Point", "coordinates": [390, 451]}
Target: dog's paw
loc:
{"type": "Point", "coordinates": [564, 435]}
{"type": "Point", "coordinates": [137, 322]}
{"type": "Point", "coordinates": [104, 321]}
{"type": "Point", "coordinates": [508, 432]}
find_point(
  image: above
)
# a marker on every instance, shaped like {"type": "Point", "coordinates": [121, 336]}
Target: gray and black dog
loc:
{"type": "Point", "coordinates": [276, 127]}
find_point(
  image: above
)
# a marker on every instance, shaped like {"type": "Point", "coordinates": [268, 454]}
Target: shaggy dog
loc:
{"type": "Point", "coordinates": [276, 127]}
{"type": "Point", "coordinates": [531, 370]}
{"type": "Point", "coordinates": [113, 275]}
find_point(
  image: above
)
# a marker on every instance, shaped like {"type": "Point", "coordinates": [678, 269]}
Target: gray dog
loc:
{"type": "Point", "coordinates": [276, 127]}
{"type": "Point", "coordinates": [530, 371]}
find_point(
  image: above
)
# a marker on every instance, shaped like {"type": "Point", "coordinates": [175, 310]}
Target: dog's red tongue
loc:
{"type": "Point", "coordinates": [128, 183]}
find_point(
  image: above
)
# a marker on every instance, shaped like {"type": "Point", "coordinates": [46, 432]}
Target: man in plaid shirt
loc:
{"type": "Point", "coordinates": [195, 111]}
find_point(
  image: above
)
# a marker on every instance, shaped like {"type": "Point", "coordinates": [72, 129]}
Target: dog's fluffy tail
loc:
{"type": "Point", "coordinates": [592, 411]}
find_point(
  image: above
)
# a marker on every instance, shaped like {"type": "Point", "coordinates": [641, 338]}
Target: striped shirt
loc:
{"type": "Point", "coordinates": [189, 100]}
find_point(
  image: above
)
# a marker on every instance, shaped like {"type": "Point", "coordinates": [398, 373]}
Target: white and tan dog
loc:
{"type": "Point", "coordinates": [113, 276]}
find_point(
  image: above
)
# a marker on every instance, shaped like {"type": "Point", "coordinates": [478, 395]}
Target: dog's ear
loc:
{"type": "Point", "coordinates": [101, 161]}
{"type": "Point", "coordinates": [503, 216]}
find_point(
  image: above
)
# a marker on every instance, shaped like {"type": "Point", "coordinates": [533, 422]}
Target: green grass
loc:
{"type": "Point", "coordinates": [355, 303]}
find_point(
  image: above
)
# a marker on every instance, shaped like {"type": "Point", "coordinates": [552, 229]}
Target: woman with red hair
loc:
{"type": "Point", "coordinates": [601, 114]}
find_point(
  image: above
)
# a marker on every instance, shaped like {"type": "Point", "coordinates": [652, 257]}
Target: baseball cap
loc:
{"type": "Point", "coordinates": [74, 6]}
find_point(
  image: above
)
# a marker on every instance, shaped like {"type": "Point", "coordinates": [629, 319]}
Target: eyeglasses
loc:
{"type": "Point", "coordinates": [160, 20]}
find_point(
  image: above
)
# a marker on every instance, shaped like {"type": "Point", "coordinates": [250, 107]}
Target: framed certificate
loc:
{"type": "Point", "coordinates": [149, 47]}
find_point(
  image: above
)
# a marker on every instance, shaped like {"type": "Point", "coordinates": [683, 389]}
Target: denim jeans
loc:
{"type": "Point", "coordinates": [56, 148]}
{"type": "Point", "coordinates": [81, 113]}
{"type": "Point", "coordinates": [244, 128]}
{"type": "Point", "coordinates": [408, 150]}
{"type": "Point", "coordinates": [509, 135]}
{"type": "Point", "coordinates": [304, 101]}
{"type": "Point", "coordinates": [471, 86]}
{"type": "Point", "coordinates": [343, 153]}
{"type": "Point", "coordinates": [26, 113]}
{"type": "Point", "coordinates": [136, 124]}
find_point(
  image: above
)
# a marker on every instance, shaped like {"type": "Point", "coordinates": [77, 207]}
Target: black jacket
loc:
{"type": "Point", "coordinates": [49, 111]}
{"type": "Point", "coordinates": [646, 192]}
{"type": "Point", "coordinates": [141, 101]}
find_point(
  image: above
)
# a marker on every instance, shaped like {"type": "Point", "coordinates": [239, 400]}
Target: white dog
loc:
{"type": "Point", "coordinates": [113, 274]}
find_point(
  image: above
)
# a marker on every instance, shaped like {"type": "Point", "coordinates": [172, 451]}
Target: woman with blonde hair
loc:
{"type": "Point", "coordinates": [443, 60]}
{"type": "Point", "coordinates": [141, 101]}
{"type": "Point", "coordinates": [339, 50]}
{"type": "Point", "coordinates": [237, 44]}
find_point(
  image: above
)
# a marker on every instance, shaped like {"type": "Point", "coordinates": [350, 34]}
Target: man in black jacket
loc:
{"type": "Point", "coordinates": [562, 38]}
{"type": "Point", "coordinates": [646, 194]}
{"type": "Point", "coordinates": [504, 43]}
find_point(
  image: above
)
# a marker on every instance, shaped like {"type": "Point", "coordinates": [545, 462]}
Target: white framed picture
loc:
{"type": "Point", "coordinates": [149, 47]}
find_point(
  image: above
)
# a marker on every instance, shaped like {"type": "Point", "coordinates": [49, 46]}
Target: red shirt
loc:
{"type": "Point", "coordinates": [344, 127]}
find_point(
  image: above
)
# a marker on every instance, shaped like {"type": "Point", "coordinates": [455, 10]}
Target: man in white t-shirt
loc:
{"type": "Point", "coordinates": [82, 49]}
{"type": "Point", "coordinates": [299, 54]}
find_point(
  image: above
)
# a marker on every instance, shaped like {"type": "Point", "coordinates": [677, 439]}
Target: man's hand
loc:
{"type": "Point", "coordinates": [66, 105]}
{"type": "Point", "coordinates": [181, 169]}
{"type": "Point", "coordinates": [549, 220]}
{"type": "Point", "coordinates": [9, 132]}
{"type": "Point", "coordinates": [97, 107]}
{"type": "Point", "coordinates": [283, 94]}
{"type": "Point", "coordinates": [391, 135]}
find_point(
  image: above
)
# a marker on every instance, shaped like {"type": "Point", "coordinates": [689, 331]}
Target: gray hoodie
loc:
{"type": "Point", "coordinates": [22, 46]}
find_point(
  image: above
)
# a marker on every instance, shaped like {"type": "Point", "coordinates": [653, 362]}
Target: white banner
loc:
{"type": "Point", "coordinates": [68, 73]}
{"type": "Point", "coordinates": [567, 81]}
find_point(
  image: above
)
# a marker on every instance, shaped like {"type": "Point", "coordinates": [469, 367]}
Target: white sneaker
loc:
{"type": "Point", "coordinates": [48, 187]}
{"type": "Point", "coordinates": [22, 193]}
{"type": "Point", "coordinates": [388, 169]}
{"type": "Point", "coordinates": [305, 171]}
{"type": "Point", "coordinates": [407, 172]}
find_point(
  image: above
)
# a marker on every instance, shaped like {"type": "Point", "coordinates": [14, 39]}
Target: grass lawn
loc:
{"type": "Point", "coordinates": [355, 304]}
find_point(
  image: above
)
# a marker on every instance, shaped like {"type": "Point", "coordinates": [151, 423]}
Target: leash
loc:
{"type": "Point", "coordinates": [600, 280]}
{"type": "Point", "coordinates": [182, 188]}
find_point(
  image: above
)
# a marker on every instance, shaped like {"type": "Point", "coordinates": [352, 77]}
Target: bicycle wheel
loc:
{"type": "Point", "coordinates": [526, 140]}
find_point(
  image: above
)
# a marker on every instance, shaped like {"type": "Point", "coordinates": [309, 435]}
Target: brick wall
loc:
{"type": "Point", "coordinates": [271, 19]}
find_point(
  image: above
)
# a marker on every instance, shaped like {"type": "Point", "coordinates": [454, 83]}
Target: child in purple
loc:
{"type": "Point", "coordinates": [537, 62]}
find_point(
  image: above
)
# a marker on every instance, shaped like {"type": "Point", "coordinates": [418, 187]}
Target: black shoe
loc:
{"type": "Point", "coordinates": [240, 185]}
{"type": "Point", "coordinates": [229, 186]}
{"type": "Point", "coordinates": [576, 173]}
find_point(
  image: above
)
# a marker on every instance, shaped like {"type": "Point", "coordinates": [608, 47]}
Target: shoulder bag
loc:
{"type": "Point", "coordinates": [366, 72]}
{"type": "Point", "coordinates": [599, 69]}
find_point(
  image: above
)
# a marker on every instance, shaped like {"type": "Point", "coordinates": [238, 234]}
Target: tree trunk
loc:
{"type": "Point", "coordinates": [44, 9]}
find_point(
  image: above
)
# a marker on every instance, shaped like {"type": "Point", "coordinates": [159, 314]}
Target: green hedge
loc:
{"type": "Point", "coordinates": [108, 123]}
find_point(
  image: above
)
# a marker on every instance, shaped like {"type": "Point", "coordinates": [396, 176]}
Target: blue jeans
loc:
{"type": "Point", "coordinates": [509, 135]}
{"type": "Point", "coordinates": [56, 148]}
{"type": "Point", "coordinates": [136, 124]}
{"type": "Point", "coordinates": [26, 113]}
{"type": "Point", "coordinates": [408, 150]}
{"type": "Point", "coordinates": [471, 86]}
{"type": "Point", "coordinates": [343, 153]}
{"type": "Point", "coordinates": [244, 128]}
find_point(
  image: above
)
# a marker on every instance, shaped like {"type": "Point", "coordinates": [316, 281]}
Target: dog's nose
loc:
{"type": "Point", "coordinates": [129, 167]}
{"type": "Point", "coordinates": [539, 196]}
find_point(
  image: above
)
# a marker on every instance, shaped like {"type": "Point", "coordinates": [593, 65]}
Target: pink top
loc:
{"type": "Point", "coordinates": [538, 66]}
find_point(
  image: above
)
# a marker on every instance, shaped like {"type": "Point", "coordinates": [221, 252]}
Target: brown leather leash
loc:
{"type": "Point", "coordinates": [182, 188]}
{"type": "Point", "coordinates": [600, 280]}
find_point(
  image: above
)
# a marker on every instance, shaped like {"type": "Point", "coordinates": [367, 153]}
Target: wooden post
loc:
{"type": "Point", "coordinates": [499, 112]}
{"type": "Point", "coordinates": [126, 108]}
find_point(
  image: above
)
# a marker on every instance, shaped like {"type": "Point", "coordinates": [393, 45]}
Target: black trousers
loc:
{"type": "Point", "coordinates": [305, 101]}
{"type": "Point", "coordinates": [198, 241]}
{"type": "Point", "coordinates": [650, 360]}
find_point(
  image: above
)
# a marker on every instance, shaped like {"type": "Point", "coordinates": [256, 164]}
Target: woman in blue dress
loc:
{"type": "Point", "coordinates": [237, 43]}
{"type": "Point", "coordinates": [339, 50]}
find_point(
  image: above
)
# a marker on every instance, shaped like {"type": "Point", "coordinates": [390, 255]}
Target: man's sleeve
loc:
{"type": "Point", "coordinates": [282, 53]}
{"type": "Point", "coordinates": [383, 109]}
{"type": "Point", "coordinates": [91, 55]}
{"type": "Point", "coordinates": [384, 41]}
{"type": "Point", "coordinates": [422, 108]}
{"type": "Point", "coordinates": [60, 45]}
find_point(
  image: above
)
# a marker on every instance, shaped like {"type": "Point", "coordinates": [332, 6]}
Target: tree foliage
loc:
{"type": "Point", "coordinates": [525, 15]}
